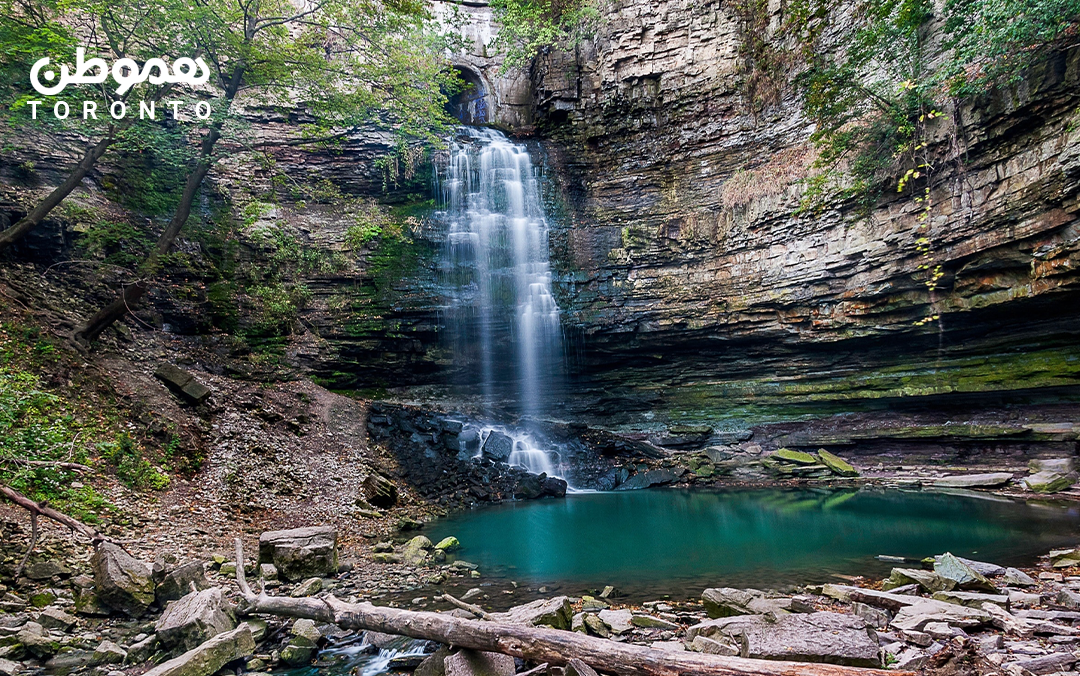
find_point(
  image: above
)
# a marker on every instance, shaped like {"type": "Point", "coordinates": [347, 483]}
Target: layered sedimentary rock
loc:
{"type": "Point", "coordinates": [697, 288]}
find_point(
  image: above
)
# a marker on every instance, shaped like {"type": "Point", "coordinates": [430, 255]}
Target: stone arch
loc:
{"type": "Point", "coordinates": [476, 103]}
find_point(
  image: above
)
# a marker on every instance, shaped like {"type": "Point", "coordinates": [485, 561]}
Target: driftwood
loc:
{"type": "Point", "coordinates": [467, 607]}
{"type": "Point", "coordinates": [531, 643]}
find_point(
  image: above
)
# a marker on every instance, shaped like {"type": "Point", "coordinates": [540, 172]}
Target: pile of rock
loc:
{"type": "Point", "coordinates": [449, 461]}
{"type": "Point", "coordinates": [800, 464]}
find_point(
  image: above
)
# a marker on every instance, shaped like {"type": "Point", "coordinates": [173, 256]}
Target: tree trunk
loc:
{"type": "Point", "coordinates": [48, 512]}
{"type": "Point", "coordinates": [132, 293]}
{"type": "Point", "coordinates": [38, 213]}
{"type": "Point", "coordinates": [531, 643]}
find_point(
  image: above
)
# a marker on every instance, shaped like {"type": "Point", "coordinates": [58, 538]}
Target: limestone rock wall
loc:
{"type": "Point", "coordinates": [696, 289]}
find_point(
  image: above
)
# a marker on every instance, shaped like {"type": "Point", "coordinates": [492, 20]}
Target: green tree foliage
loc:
{"type": "Point", "coordinates": [528, 26]}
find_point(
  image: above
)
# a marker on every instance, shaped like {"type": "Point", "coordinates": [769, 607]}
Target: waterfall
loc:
{"type": "Point", "coordinates": [501, 315]}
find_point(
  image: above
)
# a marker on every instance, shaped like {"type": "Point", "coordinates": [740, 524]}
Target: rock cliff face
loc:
{"type": "Point", "coordinates": [698, 291]}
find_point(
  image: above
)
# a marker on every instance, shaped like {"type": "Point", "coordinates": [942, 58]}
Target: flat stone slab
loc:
{"type": "Point", "coordinates": [992, 480]}
{"type": "Point", "coordinates": [831, 638]}
{"type": "Point", "coordinates": [182, 383]}
{"type": "Point", "coordinates": [210, 656]}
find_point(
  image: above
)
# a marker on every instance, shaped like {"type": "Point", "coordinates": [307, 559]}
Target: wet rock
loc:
{"type": "Point", "coordinates": [301, 553]}
{"type": "Point", "coordinates": [182, 383]}
{"type": "Point", "coordinates": [836, 464]}
{"type": "Point", "coordinates": [965, 577]}
{"type": "Point", "coordinates": [1048, 481]}
{"type": "Point", "coordinates": [122, 582]}
{"type": "Point", "coordinates": [108, 653]}
{"type": "Point", "coordinates": [992, 480]}
{"type": "Point", "coordinates": [379, 491]}
{"type": "Point", "coordinates": [177, 583]}
{"type": "Point", "coordinates": [555, 613]}
{"type": "Point", "coordinates": [209, 657]}
{"type": "Point", "coordinates": [416, 550]}
{"type": "Point", "coordinates": [1017, 578]}
{"type": "Point", "coordinates": [476, 663]}
{"type": "Point", "coordinates": [194, 618]}
{"type": "Point", "coordinates": [928, 580]}
{"type": "Point", "coordinates": [498, 446]}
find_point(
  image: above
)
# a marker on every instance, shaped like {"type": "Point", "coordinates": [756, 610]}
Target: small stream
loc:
{"type": "Point", "coordinates": [679, 541]}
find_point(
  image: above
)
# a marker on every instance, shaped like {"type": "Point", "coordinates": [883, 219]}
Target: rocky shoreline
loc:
{"type": "Point", "coordinates": [945, 614]}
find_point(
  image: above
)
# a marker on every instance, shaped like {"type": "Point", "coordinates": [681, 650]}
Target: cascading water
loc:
{"type": "Point", "coordinates": [502, 317]}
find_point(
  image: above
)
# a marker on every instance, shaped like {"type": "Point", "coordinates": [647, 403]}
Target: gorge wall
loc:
{"type": "Point", "coordinates": [700, 293]}
{"type": "Point", "coordinates": [693, 290]}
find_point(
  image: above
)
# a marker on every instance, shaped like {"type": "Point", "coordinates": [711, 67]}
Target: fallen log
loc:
{"type": "Point", "coordinates": [50, 513]}
{"type": "Point", "coordinates": [531, 643]}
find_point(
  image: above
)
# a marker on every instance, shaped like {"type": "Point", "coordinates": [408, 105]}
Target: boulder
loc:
{"type": "Point", "coordinates": [1065, 558]}
{"type": "Point", "coordinates": [651, 622]}
{"type": "Point", "coordinates": [1068, 598]}
{"type": "Point", "coordinates": [9, 668]}
{"type": "Point", "coordinates": [965, 577]}
{"type": "Point", "coordinates": [795, 457]}
{"type": "Point", "coordinates": [55, 618]}
{"type": "Point", "coordinates": [928, 580]}
{"type": "Point", "coordinates": [916, 616]}
{"type": "Point", "coordinates": [981, 567]}
{"type": "Point", "coordinates": [182, 383]}
{"type": "Point", "coordinates": [122, 582]}
{"type": "Point", "coordinates": [448, 544]}
{"type": "Point", "coordinates": [37, 641]}
{"type": "Point", "coordinates": [108, 653]}
{"type": "Point", "coordinates": [379, 491]}
{"type": "Point", "coordinates": [301, 553]}
{"type": "Point", "coordinates": [972, 599]}
{"type": "Point", "coordinates": [194, 619]}
{"type": "Point", "coordinates": [177, 583]}
{"type": "Point", "coordinates": [1059, 465]}
{"type": "Point", "coordinates": [1047, 664]}
{"type": "Point", "coordinates": [416, 550]}
{"type": "Point", "coordinates": [309, 587]}
{"type": "Point", "coordinates": [712, 646]}
{"type": "Point", "coordinates": [44, 570]}
{"type": "Point", "coordinates": [831, 638]}
{"type": "Point", "coordinates": [595, 626]}
{"type": "Point", "coordinates": [498, 446]}
{"type": "Point", "coordinates": [141, 651]}
{"type": "Point", "coordinates": [209, 657]}
{"type": "Point", "coordinates": [69, 660]}
{"type": "Point", "coordinates": [992, 480]}
{"type": "Point", "coordinates": [1048, 481]}
{"type": "Point", "coordinates": [576, 667]}
{"type": "Point", "coordinates": [303, 644]}
{"type": "Point", "coordinates": [554, 612]}
{"type": "Point", "coordinates": [728, 602]}
{"type": "Point", "coordinates": [1017, 578]}
{"type": "Point", "coordinates": [619, 621]}
{"type": "Point", "coordinates": [875, 617]}
{"type": "Point", "coordinates": [86, 598]}
{"type": "Point", "coordinates": [836, 464]}
{"type": "Point", "coordinates": [476, 663]}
